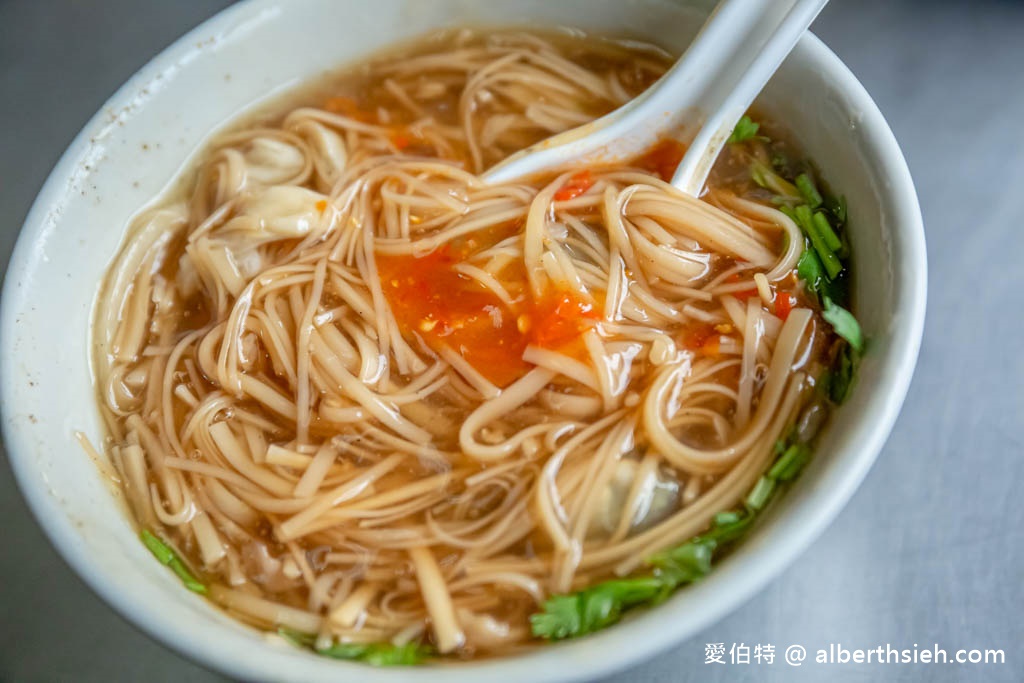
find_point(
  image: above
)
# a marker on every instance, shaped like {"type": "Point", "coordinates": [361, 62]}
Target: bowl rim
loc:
{"type": "Point", "coordinates": [597, 654]}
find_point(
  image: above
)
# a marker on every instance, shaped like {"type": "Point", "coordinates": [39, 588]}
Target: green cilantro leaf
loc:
{"type": "Point", "coordinates": [166, 556]}
{"type": "Point", "coordinates": [744, 130]}
{"type": "Point", "coordinates": [560, 617]}
{"type": "Point", "coordinates": [375, 654]}
{"type": "Point", "coordinates": [843, 322]}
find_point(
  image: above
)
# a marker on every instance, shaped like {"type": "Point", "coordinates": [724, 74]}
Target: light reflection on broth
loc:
{"type": "Point", "coordinates": [371, 399]}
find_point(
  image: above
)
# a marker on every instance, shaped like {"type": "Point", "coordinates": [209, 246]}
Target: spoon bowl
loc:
{"type": "Point", "coordinates": [701, 98]}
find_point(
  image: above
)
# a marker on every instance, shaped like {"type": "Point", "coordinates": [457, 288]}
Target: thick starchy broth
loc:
{"type": "Point", "coordinates": [372, 400]}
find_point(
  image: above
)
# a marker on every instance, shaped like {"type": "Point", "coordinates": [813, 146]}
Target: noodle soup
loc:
{"type": "Point", "coordinates": [362, 399]}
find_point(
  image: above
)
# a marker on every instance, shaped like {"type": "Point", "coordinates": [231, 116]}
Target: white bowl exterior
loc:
{"type": "Point", "coordinates": [148, 130]}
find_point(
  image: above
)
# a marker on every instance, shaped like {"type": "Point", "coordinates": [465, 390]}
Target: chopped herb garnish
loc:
{"type": "Point", "coordinates": [824, 229]}
{"type": "Point", "coordinates": [843, 322]}
{"type": "Point", "coordinates": [839, 380]}
{"type": "Point", "coordinates": [688, 562]}
{"type": "Point", "coordinates": [376, 654]}
{"type": "Point", "coordinates": [725, 518]}
{"type": "Point", "coordinates": [166, 556]}
{"type": "Point", "coordinates": [560, 617]}
{"type": "Point", "coordinates": [804, 217]}
{"type": "Point", "coordinates": [808, 190]}
{"type": "Point", "coordinates": [821, 219]}
{"type": "Point", "coordinates": [297, 638]}
{"type": "Point", "coordinates": [810, 270]}
{"type": "Point", "coordinates": [762, 491]}
{"type": "Point", "coordinates": [729, 528]}
{"type": "Point", "coordinates": [591, 609]}
{"type": "Point", "coordinates": [792, 461]}
{"type": "Point", "coordinates": [837, 207]}
{"type": "Point", "coordinates": [744, 130]}
{"type": "Point", "coordinates": [770, 180]}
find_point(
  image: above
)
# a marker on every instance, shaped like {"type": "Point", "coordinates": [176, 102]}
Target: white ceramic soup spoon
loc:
{"type": "Point", "coordinates": [701, 97]}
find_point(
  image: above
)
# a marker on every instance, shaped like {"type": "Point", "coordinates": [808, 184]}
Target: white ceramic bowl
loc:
{"type": "Point", "coordinates": [143, 135]}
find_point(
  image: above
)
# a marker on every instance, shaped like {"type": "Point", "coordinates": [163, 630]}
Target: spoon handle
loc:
{"type": "Point", "coordinates": [727, 65]}
{"type": "Point", "coordinates": [701, 97]}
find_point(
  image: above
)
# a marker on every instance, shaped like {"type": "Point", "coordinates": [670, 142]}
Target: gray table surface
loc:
{"type": "Point", "coordinates": [930, 549]}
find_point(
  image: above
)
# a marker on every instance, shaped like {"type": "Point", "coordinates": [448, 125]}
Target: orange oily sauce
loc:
{"type": "Point", "coordinates": [445, 308]}
{"type": "Point", "coordinates": [662, 159]}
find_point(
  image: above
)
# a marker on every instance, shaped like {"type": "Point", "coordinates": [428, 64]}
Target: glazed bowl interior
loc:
{"type": "Point", "coordinates": [148, 131]}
